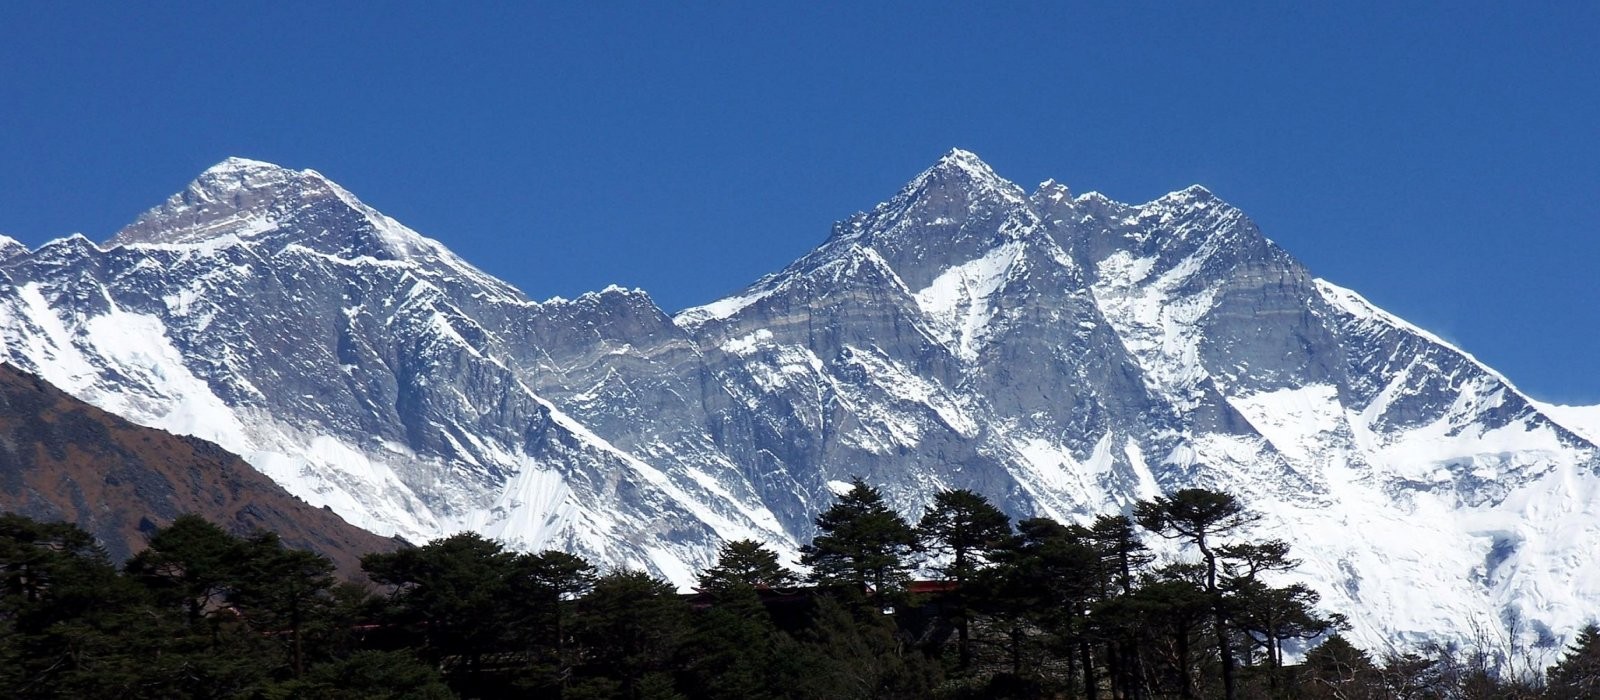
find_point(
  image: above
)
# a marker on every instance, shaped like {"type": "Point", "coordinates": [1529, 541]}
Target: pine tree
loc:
{"type": "Point", "coordinates": [854, 653]}
{"type": "Point", "coordinates": [538, 609]}
{"type": "Point", "coordinates": [630, 626]}
{"type": "Point", "coordinates": [861, 543]}
{"type": "Point", "coordinates": [1577, 674]}
{"type": "Point", "coordinates": [965, 527]}
{"type": "Point", "coordinates": [451, 593]}
{"type": "Point", "coordinates": [736, 651]}
{"type": "Point", "coordinates": [192, 564]}
{"type": "Point", "coordinates": [1122, 558]}
{"type": "Point", "coordinates": [745, 564]}
{"type": "Point", "coordinates": [1338, 669]}
{"type": "Point", "coordinates": [283, 590]}
{"type": "Point", "coordinates": [1200, 517]}
{"type": "Point", "coordinates": [370, 675]}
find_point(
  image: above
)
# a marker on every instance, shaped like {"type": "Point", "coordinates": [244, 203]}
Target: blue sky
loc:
{"type": "Point", "coordinates": [1441, 158]}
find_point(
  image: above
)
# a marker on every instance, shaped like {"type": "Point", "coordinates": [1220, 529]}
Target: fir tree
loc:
{"type": "Point", "coordinates": [861, 543]}
{"type": "Point", "coordinates": [1577, 674]}
{"type": "Point", "coordinates": [745, 564]}
{"type": "Point", "coordinates": [631, 627]}
{"type": "Point", "coordinates": [1200, 517]}
{"type": "Point", "coordinates": [963, 526]}
{"type": "Point", "coordinates": [450, 593]}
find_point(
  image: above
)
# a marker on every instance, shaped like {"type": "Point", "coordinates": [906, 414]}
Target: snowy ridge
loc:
{"type": "Point", "coordinates": [1583, 420]}
{"type": "Point", "coordinates": [1063, 355]}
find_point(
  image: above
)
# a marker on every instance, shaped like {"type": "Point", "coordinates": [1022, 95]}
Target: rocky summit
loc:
{"type": "Point", "coordinates": [1063, 354]}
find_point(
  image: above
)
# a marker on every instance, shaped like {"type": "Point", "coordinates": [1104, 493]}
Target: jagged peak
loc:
{"type": "Point", "coordinates": [236, 198]}
{"type": "Point", "coordinates": [240, 200]}
{"type": "Point", "coordinates": [962, 167]}
{"type": "Point", "coordinates": [1193, 195]}
{"type": "Point", "coordinates": [237, 164]}
{"type": "Point", "coordinates": [955, 187]}
{"type": "Point", "coordinates": [616, 291]}
{"type": "Point", "coordinates": [1051, 192]}
{"type": "Point", "coordinates": [11, 247]}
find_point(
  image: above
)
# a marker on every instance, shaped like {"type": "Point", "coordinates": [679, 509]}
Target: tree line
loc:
{"type": "Point", "coordinates": [1031, 609]}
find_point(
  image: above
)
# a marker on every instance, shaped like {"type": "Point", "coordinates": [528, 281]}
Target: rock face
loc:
{"type": "Point", "coordinates": [62, 459]}
{"type": "Point", "coordinates": [1064, 355]}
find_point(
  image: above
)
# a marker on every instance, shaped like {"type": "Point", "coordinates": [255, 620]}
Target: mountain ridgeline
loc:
{"type": "Point", "coordinates": [61, 459]}
{"type": "Point", "coordinates": [1063, 355]}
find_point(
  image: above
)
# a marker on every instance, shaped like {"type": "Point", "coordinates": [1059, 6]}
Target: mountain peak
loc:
{"type": "Point", "coordinates": [236, 198]}
{"type": "Point", "coordinates": [240, 200]}
{"type": "Point", "coordinates": [960, 177]}
{"type": "Point", "coordinates": [10, 247]}
{"type": "Point", "coordinates": [965, 165]}
{"type": "Point", "coordinates": [236, 164]}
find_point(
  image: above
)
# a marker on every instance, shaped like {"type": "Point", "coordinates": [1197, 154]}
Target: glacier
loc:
{"type": "Point", "coordinates": [1065, 355]}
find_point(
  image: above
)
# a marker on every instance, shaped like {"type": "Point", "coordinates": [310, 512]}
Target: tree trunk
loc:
{"type": "Point", "coordinates": [1091, 686]}
{"type": "Point", "coordinates": [1220, 618]}
{"type": "Point", "coordinates": [1184, 674]}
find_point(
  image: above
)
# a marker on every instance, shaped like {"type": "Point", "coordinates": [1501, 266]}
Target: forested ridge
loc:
{"type": "Point", "coordinates": [1032, 609]}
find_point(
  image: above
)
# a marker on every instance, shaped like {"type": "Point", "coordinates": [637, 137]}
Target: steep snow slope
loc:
{"type": "Point", "coordinates": [362, 366]}
{"type": "Point", "coordinates": [1064, 355]}
{"type": "Point", "coordinates": [1583, 420]}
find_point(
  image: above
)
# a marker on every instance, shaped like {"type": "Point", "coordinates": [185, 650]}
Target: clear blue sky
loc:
{"type": "Point", "coordinates": [1441, 158]}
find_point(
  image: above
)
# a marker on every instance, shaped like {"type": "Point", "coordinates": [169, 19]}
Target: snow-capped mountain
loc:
{"type": "Point", "coordinates": [1065, 355]}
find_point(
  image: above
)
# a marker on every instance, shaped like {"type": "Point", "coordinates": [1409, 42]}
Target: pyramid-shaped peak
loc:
{"type": "Point", "coordinates": [963, 170]}
{"type": "Point", "coordinates": [238, 197]}
{"type": "Point", "coordinates": [967, 162]}
{"type": "Point", "coordinates": [233, 164]}
{"type": "Point", "coordinates": [1191, 197]}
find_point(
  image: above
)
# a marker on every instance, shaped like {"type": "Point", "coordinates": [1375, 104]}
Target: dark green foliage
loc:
{"type": "Point", "coordinates": [735, 651]}
{"type": "Point", "coordinates": [1577, 674]}
{"type": "Point", "coordinates": [855, 652]}
{"type": "Point", "coordinates": [861, 543]}
{"type": "Point", "coordinates": [631, 626]}
{"type": "Point", "coordinates": [449, 596]}
{"type": "Point", "coordinates": [367, 675]}
{"type": "Point", "coordinates": [286, 591]}
{"type": "Point", "coordinates": [746, 564]}
{"type": "Point", "coordinates": [190, 564]}
{"type": "Point", "coordinates": [538, 612]}
{"type": "Point", "coordinates": [972, 533]}
{"type": "Point", "coordinates": [1199, 517]}
{"type": "Point", "coordinates": [1050, 611]}
{"type": "Point", "coordinates": [968, 529]}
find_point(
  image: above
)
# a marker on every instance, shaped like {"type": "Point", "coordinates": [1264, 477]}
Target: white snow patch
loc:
{"type": "Point", "coordinates": [959, 301]}
{"type": "Point", "coordinates": [1583, 420]}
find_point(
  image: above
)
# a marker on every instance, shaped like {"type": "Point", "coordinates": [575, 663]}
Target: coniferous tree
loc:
{"type": "Point", "coordinates": [450, 593]}
{"type": "Point", "coordinates": [191, 564]}
{"type": "Point", "coordinates": [369, 675]}
{"type": "Point", "coordinates": [963, 526]}
{"type": "Point", "coordinates": [746, 564]}
{"type": "Point", "coordinates": [541, 593]}
{"type": "Point", "coordinates": [1577, 674]}
{"type": "Point", "coordinates": [861, 542]}
{"type": "Point", "coordinates": [630, 626]}
{"type": "Point", "coordinates": [282, 590]}
{"type": "Point", "coordinates": [851, 652]}
{"type": "Point", "coordinates": [1122, 558]}
{"type": "Point", "coordinates": [1172, 609]}
{"type": "Point", "coordinates": [69, 624]}
{"type": "Point", "coordinates": [1338, 669]}
{"type": "Point", "coordinates": [1200, 517]}
{"type": "Point", "coordinates": [736, 652]}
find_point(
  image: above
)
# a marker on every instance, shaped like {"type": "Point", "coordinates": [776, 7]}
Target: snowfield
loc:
{"type": "Point", "coordinates": [1065, 356]}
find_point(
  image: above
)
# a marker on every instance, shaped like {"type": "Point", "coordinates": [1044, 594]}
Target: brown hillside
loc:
{"type": "Point", "coordinates": [62, 459]}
